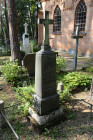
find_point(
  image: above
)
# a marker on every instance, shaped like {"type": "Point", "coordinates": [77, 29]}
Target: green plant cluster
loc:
{"type": "Point", "coordinates": [34, 45]}
{"type": "Point", "coordinates": [74, 80]}
{"type": "Point", "coordinates": [22, 54]}
{"type": "Point", "coordinates": [25, 96]}
{"type": "Point", "coordinates": [60, 64]}
{"type": "Point", "coordinates": [64, 96]}
{"type": "Point", "coordinates": [13, 73]}
{"type": "Point", "coordinates": [89, 69]}
{"type": "Point", "coordinates": [5, 53]}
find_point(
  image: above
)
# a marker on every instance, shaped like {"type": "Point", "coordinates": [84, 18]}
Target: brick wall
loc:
{"type": "Point", "coordinates": [63, 41]}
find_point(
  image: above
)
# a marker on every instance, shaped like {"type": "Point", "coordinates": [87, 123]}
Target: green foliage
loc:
{"type": "Point", "coordinates": [14, 74]}
{"type": "Point", "coordinates": [60, 64]}
{"type": "Point", "coordinates": [64, 96]}
{"type": "Point", "coordinates": [22, 54]}
{"type": "Point", "coordinates": [25, 96]}
{"type": "Point", "coordinates": [89, 69]}
{"type": "Point", "coordinates": [77, 79]}
{"type": "Point", "coordinates": [27, 12]}
{"type": "Point", "coordinates": [5, 53]}
{"type": "Point", "coordinates": [34, 45]}
{"type": "Point", "coordinates": [72, 115]}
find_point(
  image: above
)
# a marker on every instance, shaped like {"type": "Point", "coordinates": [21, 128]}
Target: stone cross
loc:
{"type": "Point", "coordinates": [46, 21]}
{"type": "Point", "coordinates": [76, 46]}
{"type": "Point", "coordinates": [25, 28]}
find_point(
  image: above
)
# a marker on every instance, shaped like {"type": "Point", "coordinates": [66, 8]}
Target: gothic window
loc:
{"type": "Point", "coordinates": [81, 15]}
{"type": "Point", "coordinates": [57, 20]}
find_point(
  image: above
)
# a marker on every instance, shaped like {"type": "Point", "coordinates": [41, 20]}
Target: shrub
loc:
{"type": "Point", "coordinates": [14, 74]}
{"type": "Point", "coordinates": [25, 96]}
{"type": "Point", "coordinates": [77, 79]}
{"type": "Point", "coordinates": [60, 64]}
{"type": "Point", "coordinates": [89, 69]}
{"type": "Point", "coordinates": [34, 45]}
{"type": "Point", "coordinates": [5, 53]}
{"type": "Point", "coordinates": [36, 49]}
{"type": "Point", "coordinates": [64, 96]}
{"type": "Point", "coordinates": [22, 54]}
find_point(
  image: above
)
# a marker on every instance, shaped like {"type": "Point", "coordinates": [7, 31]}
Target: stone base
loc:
{"type": "Point", "coordinates": [42, 120]}
{"type": "Point", "coordinates": [46, 105]}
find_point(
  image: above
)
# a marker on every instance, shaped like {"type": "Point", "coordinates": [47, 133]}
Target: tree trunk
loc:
{"type": "Point", "coordinates": [13, 30]}
{"type": "Point", "coordinates": [7, 27]}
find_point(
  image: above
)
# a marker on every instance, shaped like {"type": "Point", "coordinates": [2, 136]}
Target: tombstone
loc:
{"type": "Point", "coordinates": [76, 46]}
{"type": "Point", "coordinates": [26, 46]}
{"type": "Point", "coordinates": [46, 99]}
{"type": "Point", "coordinates": [29, 63]}
{"type": "Point", "coordinates": [91, 91]}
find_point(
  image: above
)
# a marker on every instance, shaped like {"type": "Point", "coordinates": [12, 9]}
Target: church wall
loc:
{"type": "Point", "coordinates": [63, 40]}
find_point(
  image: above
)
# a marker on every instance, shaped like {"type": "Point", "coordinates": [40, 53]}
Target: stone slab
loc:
{"type": "Point", "coordinates": [41, 120]}
{"type": "Point", "coordinates": [46, 105]}
{"type": "Point", "coordinates": [29, 63]}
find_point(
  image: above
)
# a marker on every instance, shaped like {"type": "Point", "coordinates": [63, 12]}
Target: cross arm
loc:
{"type": "Point", "coordinates": [51, 21]}
{"type": "Point", "coordinates": [76, 37]}
{"type": "Point", "coordinates": [41, 21]}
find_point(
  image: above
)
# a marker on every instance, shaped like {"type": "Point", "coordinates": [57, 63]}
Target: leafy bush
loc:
{"type": "Point", "coordinates": [77, 79]}
{"type": "Point", "coordinates": [14, 74]}
{"type": "Point", "coordinates": [36, 49]}
{"type": "Point", "coordinates": [22, 54]}
{"type": "Point", "coordinates": [60, 64]}
{"type": "Point", "coordinates": [25, 96]}
{"type": "Point", "coordinates": [89, 69]}
{"type": "Point", "coordinates": [34, 45]}
{"type": "Point", "coordinates": [64, 96]}
{"type": "Point", "coordinates": [5, 53]}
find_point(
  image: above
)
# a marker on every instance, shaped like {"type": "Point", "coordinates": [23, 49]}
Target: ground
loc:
{"type": "Point", "coordinates": [76, 124]}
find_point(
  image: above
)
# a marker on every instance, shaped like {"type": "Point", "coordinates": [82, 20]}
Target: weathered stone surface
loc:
{"type": "Point", "coordinates": [45, 78]}
{"type": "Point", "coordinates": [29, 63]}
{"type": "Point", "coordinates": [41, 120]}
{"type": "Point", "coordinates": [46, 98]}
{"type": "Point", "coordinates": [46, 105]}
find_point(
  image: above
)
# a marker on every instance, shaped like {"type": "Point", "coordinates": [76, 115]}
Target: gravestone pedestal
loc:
{"type": "Point", "coordinates": [46, 99]}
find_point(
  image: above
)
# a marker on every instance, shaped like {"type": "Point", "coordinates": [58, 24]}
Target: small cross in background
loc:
{"type": "Point", "coordinates": [76, 46]}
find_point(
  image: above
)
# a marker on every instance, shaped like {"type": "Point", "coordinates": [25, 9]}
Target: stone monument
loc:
{"type": "Point", "coordinates": [76, 46]}
{"type": "Point", "coordinates": [29, 63]}
{"type": "Point", "coordinates": [46, 99]}
{"type": "Point", "coordinates": [26, 47]}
